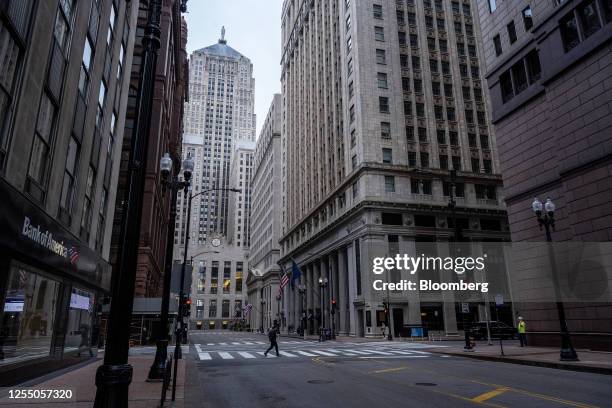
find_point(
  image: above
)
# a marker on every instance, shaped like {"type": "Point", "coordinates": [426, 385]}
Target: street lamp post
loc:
{"type": "Point", "coordinates": [114, 376]}
{"type": "Point", "coordinates": [158, 369]}
{"type": "Point", "coordinates": [278, 299]}
{"type": "Point", "coordinates": [302, 290]}
{"type": "Point", "coordinates": [322, 284]}
{"type": "Point", "coordinates": [262, 302]}
{"type": "Point", "coordinates": [547, 220]}
{"type": "Point", "coordinates": [179, 330]}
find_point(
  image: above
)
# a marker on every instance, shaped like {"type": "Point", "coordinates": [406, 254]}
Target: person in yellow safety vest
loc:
{"type": "Point", "coordinates": [522, 330]}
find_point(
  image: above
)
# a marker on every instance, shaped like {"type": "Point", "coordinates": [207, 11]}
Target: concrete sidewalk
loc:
{"type": "Point", "coordinates": [81, 381]}
{"type": "Point", "coordinates": [590, 361]}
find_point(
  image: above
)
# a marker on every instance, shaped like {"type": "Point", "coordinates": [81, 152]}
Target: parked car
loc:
{"type": "Point", "coordinates": [478, 330]}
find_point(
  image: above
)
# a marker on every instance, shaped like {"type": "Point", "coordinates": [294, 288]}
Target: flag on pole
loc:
{"type": "Point", "coordinates": [283, 282]}
{"type": "Point", "coordinates": [295, 272]}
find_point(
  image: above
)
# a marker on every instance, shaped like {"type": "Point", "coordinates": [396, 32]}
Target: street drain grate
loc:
{"type": "Point", "coordinates": [424, 384]}
{"type": "Point", "coordinates": [320, 381]}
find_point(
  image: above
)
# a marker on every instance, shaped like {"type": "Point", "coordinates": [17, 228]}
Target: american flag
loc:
{"type": "Point", "coordinates": [248, 307]}
{"type": "Point", "coordinates": [73, 255]}
{"type": "Point", "coordinates": [283, 282]}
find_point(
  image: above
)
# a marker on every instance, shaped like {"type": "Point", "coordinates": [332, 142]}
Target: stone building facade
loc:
{"type": "Point", "coordinates": [266, 216]}
{"type": "Point", "coordinates": [549, 73]}
{"type": "Point", "coordinates": [220, 111]}
{"type": "Point", "coordinates": [380, 101]}
{"type": "Point", "coordinates": [239, 215]}
{"type": "Point", "coordinates": [63, 97]}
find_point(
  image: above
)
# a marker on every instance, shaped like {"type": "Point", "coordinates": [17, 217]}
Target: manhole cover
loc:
{"type": "Point", "coordinates": [219, 375]}
{"type": "Point", "coordinates": [426, 384]}
{"type": "Point", "coordinates": [320, 381]}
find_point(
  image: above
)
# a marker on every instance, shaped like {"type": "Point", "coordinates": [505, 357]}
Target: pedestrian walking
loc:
{"type": "Point", "coordinates": [272, 337]}
{"type": "Point", "coordinates": [84, 330]}
{"type": "Point", "coordinates": [522, 331]}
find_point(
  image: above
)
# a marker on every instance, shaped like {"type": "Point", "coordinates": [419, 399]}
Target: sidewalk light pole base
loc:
{"type": "Point", "coordinates": [113, 382]}
{"type": "Point", "coordinates": [157, 372]}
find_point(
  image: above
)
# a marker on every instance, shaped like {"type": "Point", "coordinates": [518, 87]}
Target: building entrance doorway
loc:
{"type": "Point", "coordinates": [398, 321]}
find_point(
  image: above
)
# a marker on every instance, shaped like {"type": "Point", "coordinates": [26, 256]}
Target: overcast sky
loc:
{"type": "Point", "coordinates": [253, 28]}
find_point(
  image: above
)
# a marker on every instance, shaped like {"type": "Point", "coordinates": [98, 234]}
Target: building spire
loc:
{"type": "Point", "coordinates": [222, 39]}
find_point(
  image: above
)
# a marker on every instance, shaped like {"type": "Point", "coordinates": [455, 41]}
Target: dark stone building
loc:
{"type": "Point", "coordinates": [165, 136]}
{"type": "Point", "coordinates": [549, 73]}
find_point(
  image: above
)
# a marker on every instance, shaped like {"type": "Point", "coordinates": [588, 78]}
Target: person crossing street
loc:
{"type": "Point", "coordinates": [272, 333]}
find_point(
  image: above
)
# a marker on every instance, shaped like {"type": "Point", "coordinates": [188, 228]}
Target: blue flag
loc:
{"type": "Point", "coordinates": [295, 273]}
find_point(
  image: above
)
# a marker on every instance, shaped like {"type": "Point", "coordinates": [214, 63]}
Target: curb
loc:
{"type": "Point", "coordinates": [546, 364]}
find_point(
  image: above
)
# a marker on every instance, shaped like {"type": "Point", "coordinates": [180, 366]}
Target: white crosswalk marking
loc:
{"type": "Point", "coordinates": [384, 353]}
{"type": "Point", "coordinates": [235, 342]}
{"type": "Point", "coordinates": [226, 356]}
{"type": "Point", "coordinates": [259, 342]}
{"type": "Point", "coordinates": [248, 342]}
{"type": "Point", "coordinates": [204, 356]}
{"type": "Point", "coordinates": [357, 352]}
{"type": "Point", "coordinates": [197, 347]}
{"type": "Point", "coordinates": [223, 344]}
{"type": "Point", "coordinates": [304, 353]}
{"type": "Point", "coordinates": [402, 352]}
{"type": "Point", "coordinates": [245, 354]}
{"type": "Point", "coordinates": [284, 353]}
{"type": "Point", "coordinates": [269, 354]}
{"type": "Point", "coordinates": [341, 352]}
{"type": "Point", "coordinates": [323, 353]}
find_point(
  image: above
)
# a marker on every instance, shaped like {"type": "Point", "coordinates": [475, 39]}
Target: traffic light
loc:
{"type": "Point", "coordinates": [333, 306]}
{"type": "Point", "coordinates": [187, 308]}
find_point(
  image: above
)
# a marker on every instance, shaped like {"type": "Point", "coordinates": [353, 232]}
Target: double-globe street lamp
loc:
{"type": "Point", "coordinates": [546, 219]}
{"type": "Point", "coordinates": [158, 369]}
{"type": "Point", "coordinates": [181, 309]}
{"type": "Point", "coordinates": [322, 284]}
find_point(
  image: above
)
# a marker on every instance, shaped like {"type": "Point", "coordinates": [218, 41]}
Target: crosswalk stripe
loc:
{"type": "Point", "coordinates": [357, 352]}
{"type": "Point", "coordinates": [223, 344]}
{"type": "Point", "coordinates": [304, 353]}
{"type": "Point", "coordinates": [226, 356]}
{"type": "Point", "coordinates": [210, 344]}
{"type": "Point", "coordinates": [204, 356]}
{"type": "Point", "coordinates": [198, 348]}
{"type": "Point", "coordinates": [341, 352]}
{"type": "Point", "coordinates": [384, 353]}
{"type": "Point", "coordinates": [402, 352]}
{"type": "Point", "coordinates": [245, 354]}
{"type": "Point", "coordinates": [248, 342]}
{"type": "Point", "coordinates": [421, 352]}
{"type": "Point", "coordinates": [259, 342]}
{"type": "Point", "coordinates": [323, 353]}
{"type": "Point", "coordinates": [284, 353]}
{"type": "Point", "coordinates": [235, 342]}
{"type": "Point", "coordinates": [269, 354]}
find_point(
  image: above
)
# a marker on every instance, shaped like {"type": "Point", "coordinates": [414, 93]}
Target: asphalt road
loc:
{"type": "Point", "coordinates": [228, 369]}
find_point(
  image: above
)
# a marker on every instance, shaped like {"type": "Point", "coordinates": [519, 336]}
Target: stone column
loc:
{"type": "Point", "coordinates": [342, 293]}
{"type": "Point", "coordinates": [314, 295]}
{"type": "Point", "coordinates": [448, 297]}
{"type": "Point", "coordinates": [352, 290]}
{"type": "Point", "coordinates": [308, 294]}
{"type": "Point", "coordinates": [413, 315]}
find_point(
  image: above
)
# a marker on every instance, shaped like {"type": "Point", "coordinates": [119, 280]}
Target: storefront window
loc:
{"type": "Point", "coordinates": [26, 326]}
{"type": "Point", "coordinates": [80, 319]}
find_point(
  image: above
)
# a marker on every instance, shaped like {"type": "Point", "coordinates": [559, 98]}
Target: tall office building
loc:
{"type": "Point", "coordinates": [220, 126]}
{"type": "Point", "coordinates": [266, 218]}
{"type": "Point", "coordinates": [239, 215]}
{"type": "Point", "coordinates": [221, 111]}
{"type": "Point", "coordinates": [64, 86]}
{"type": "Point", "coordinates": [549, 72]}
{"type": "Point", "coordinates": [380, 100]}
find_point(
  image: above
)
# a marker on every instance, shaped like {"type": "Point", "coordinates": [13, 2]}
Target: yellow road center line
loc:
{"type": "Point", "coordinates": [488, 395]}
{"type": "Point", "coordinates": [388, 370]}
